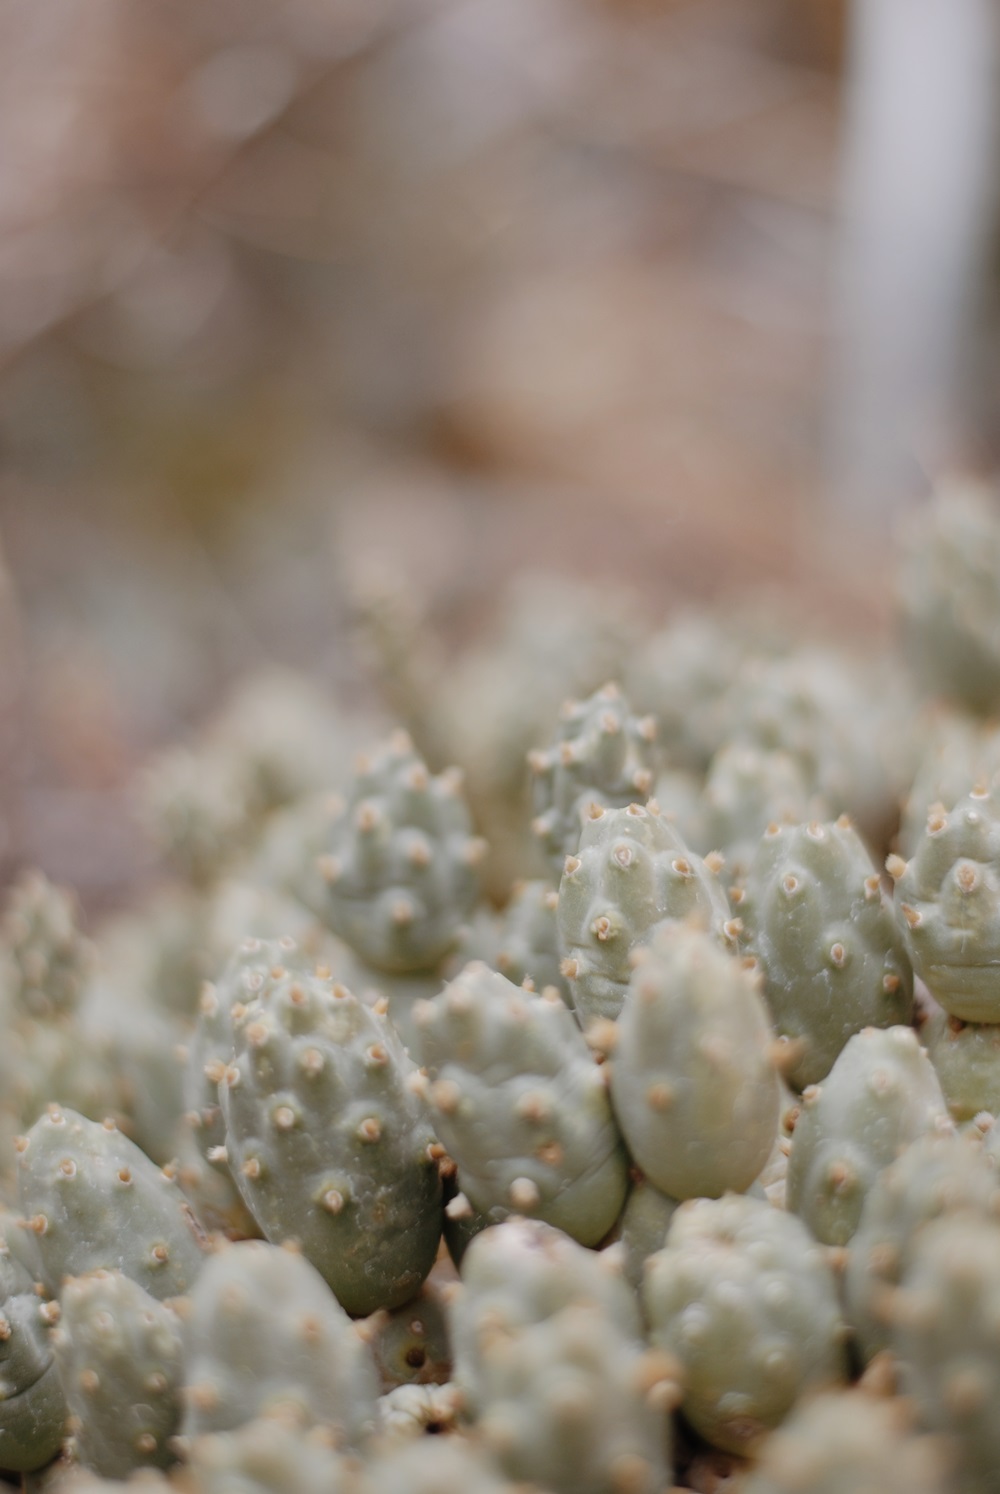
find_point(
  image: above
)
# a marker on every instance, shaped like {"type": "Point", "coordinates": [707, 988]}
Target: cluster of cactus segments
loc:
{"type": "Point", "coordinates": [597, 1097]}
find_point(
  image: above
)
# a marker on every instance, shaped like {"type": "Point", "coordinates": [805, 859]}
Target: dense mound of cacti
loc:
{"type": "Point", "coordinates": [704, 1117]}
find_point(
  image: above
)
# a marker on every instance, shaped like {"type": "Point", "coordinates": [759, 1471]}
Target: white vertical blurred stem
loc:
{"type": "Point", "coordinates": [919, 198]}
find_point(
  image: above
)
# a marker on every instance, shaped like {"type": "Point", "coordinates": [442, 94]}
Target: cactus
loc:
{"type": "Point", "coordinates": [602, 754]}
{"type": "Point", "coordinates": [436, 1466]}
{"type": "Point", "coordinates": [32, 1407]}
{"type": "Point", "coordinates": [520, 1104]}
{"type": "Point", "coordinates": [632, 872]}
{"type": "Point", "coordinates": [948, 597]}
{"type": "Point", "coordinates": [559, 1387]}
{"type": "Point", "coordinates": [692, 1079]}
{"type": "Point", "coordinates": [960, 752]}
{"type": "Point", "coordinates": [410, 1344]}
{"type": "Point", "coordinates": [96, 1202]}
{"type": "Point", "coordinates": [825, 941]}
{"type": "Point", "coordinates": [948, 904]}
{"type": "Point", "coordinates": [966, 1059]}
{"type": "Point", "coordinates": [314, 1370]}
{"type": "Point", "coordinates": [845, 1442]}
{"type": "Point", "coordinates": [881, 1095]}
{"type": "Point", "coordinates": [642, 1229]}
{"type": "Point", "coordinates": [327, 1140]}
{"type": "Point", "coordinates": [267, 1456]}
{"type": "Point", "coordinates": [397, 867]}
{"type": "Point", "coordinates": [935, 1176]}
{"type": "Point", "coordinates": [748, 788]}
{"type": "Point", "coordinates": [119, 1356]}
{"type": "Point", "coordinates": [943, 1330]}
{"type": "Point", "coordinates": [743, 1297]}
{"type": "Point", "coordinates": [413, 1411]}
{"type": "Point", "coordinates": [46, 960]}
{"type": "Point", "coordinates": [528, 946]}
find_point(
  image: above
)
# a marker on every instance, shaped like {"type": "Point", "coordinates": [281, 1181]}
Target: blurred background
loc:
{"type": "Point", "coordinates": [692, 296]}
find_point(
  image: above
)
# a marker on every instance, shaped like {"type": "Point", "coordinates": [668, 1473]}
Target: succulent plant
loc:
{"type": "Point", "coordinates": [881, 1094]}
{"type": "Point", "coordinates": [943, 1331]}
{"type": "Point", "coordinates": [32, 1405]}
{"type": "Point", "coordinates": [119, 1355]}
{"type": "Point", "coordinates": [743, 1297]}
{"type": "Point", "coordinates": [45, 961]}
{"type": "Point", "coordinates": [520, 1104]}
{"type": "Point", "coordinates": [397, 864]}
{"type": "Point", "coordinates": [948, 905]}
{"type": "Point", "coordinates": [692, 1078]}
{"type": "Point", "coordinates": [96, 1202]}
{"type": "Point", "coordinates": [315, 1371]}
{"type": "Point", "coordinates": [936, 1176]}
{"type": "Point", "coordinates": [562, 1392]}
{"type": "Point", "coordinates": [602, 754]}
{"type": "Point", "coordinates": [632, 871]}
{"type": "Point", "coordinates": [948, 597]}
{"type": "Point", "coordinates": [846, 1442]}
{"type": "Point", "coordinates": [327, 1139]}
{"type": "Point", "coordinates": [825, 941]}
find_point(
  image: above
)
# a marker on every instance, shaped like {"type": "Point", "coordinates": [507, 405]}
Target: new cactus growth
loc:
{"type": "Point", "coordinates": [742, 1296]}
{"type": "Point", "coordinates": [315, 1371]}
{"type": "Point", "coordinates": [557, 1380]}
{"type": "Point", "coordinates": [881, 1095]}
{"type": "Point", "coordinates": [96, 1202]}
{"type": "Point", "coordinates": [948, 905]}
{"type": "Point", "coordinates": [602, 755]}
{"type": "Point", "coordinates": [631, 872]}
{"type": "Point", "coordinates": [46, 961]}
{"type": "Point", "coordinates": [520, 1104]}
{"type": "Point", "coordinates": [936, 1176]}
{"type": "Point", "coordinates": [692, 1076]}
{"type": "Point", "coordinates": [825, 940]}
{"type": "Point", "coordinates": [327, 1140]}
{"type": "Point", "coordinates": [398, 864]}
{"type": "Point", "coordinates": [119, 1355]}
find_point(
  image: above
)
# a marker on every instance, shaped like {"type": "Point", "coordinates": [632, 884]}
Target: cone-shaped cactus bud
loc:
{"type": "Point", "coordinates": [46, 960]}
{"type": "Point", "coordinates": [265, 1337]}
{"type": "Point", "coordinates": [96, 1202]}
{"type": "Point", "coordinates": [632, 872]}
{"type": "Point", "coordinates": [944, 1334]}
{"type": "Point", "coordinates": [397, 870]}
{"type": "Point", "coordinates": [937, 1175]}
{"type": "Point", "coordinates": [603, 755]}
{"type": "Point", "coordinates": [521, 1105]}
{"type": "Point", "coordinates": [119, 1355]}
{"type": "Point", "coordinates": [744, 1299]}
{"type": "Point", "coordinates": [692, 1080]}
{"type": "Point", "coordinates": [555, 1376]}
{"type": "Point", "coordinates": [881, 1094]}
{"type": "Point", "coordinates": [843, 1442]}
{"type": "Point", "coordinates": [825, 940]}
{"type": "Point", "coordinates": [329, 1143]}
{"type": "Point", "coordinates": [32, 1407]}
{"type": "Point", "coordinates": [948, 595]}
{"type": "Point", "coordinates": [948, 906]}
